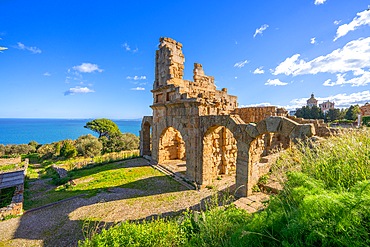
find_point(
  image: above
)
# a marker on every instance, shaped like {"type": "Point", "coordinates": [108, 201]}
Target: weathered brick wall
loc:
{"type": "Point", "coordinates": [8, 161]}
{"type": "Point", "coordinates": [219, 153]}
{"type": "Point", "coordinates": [321, 128]}
{"type": "Point", "coordinates": [172, 146]}
{"type": "Point", "coordinates": [256, 114]}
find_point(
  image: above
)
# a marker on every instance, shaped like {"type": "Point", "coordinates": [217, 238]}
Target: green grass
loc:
{"type": "Point", "coordinates": [99, 178]}
{"type": "Point", "coordinates": [10, 167]}
{"type": "Point", "coordinates": [325, 202]}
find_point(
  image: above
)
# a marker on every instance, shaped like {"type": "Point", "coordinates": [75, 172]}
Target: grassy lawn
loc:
{"type": "Point", "coordinates": [93, 180]}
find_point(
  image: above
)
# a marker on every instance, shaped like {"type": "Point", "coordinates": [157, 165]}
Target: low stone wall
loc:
{"type": "Point", "coordinates": [321, 128]}
{"type": "Point", "coordinates": [8, 161]}
{"type": "Point", "coordinates": [16, 206]}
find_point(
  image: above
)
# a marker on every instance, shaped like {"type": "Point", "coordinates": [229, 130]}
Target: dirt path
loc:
{"type": "Point", "coordinates": [61, 224]}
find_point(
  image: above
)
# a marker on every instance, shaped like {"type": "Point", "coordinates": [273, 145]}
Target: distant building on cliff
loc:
{"type": "Point", "coordinates": [312, 101]}
{"type": "Point", "coordinates": [326, 106]}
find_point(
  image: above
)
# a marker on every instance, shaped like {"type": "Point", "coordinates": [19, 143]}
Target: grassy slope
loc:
{"type": "Point", "coordinates": [325, 202]}
{"type": "Point", "coordinates": [90, 181]}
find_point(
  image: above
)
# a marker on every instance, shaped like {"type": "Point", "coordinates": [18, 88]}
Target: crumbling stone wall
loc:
{"type": "Point", "coordinates": [219, 153]}
{"type": "Point", "coordinates": [172, 147]}
{"type": "Point", "coordinates": [256, 114]}
{"type": "Point", "coordinates": [321, 128]}
{"type": "Point", "coordinates": [193, 120]}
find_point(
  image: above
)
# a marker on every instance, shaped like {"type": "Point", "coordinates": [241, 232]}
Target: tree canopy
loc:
{"type": "Point", "coordinates": [103, 126]}
{"type": "Point", "coordinates": [310, 112]}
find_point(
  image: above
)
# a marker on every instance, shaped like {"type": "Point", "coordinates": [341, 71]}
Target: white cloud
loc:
{"type": "Point", "coordinates": [128, 48]}
{"type": "Point", "coordinates": [340, 100]}
{"type": "Point", "coordinates": [138, 89]}
{"type": "Point", "coordinates": [353, 57]}
{"type": "Point", "coordinates": [275, 82]}
{"type": "Point", "coordinates": [78, 90]}
{"type": "Point", "coordinates": [337, 22]}
{"type": "Point", "coordinates": [362, 80]}
{"type": "Point", "coordinates": [3, 49]}
{"type": "Point", "coordinates": [259, 70]}
{"type": "Point", "coordinates": [260, 30]}
{"type": "Point", "coordinates": [241, 64]}
{"type": "Point", "coordinates": [87, 68]}
{"type": "Point", "coordinates": [363, 18]}
{"type": "Point", "coordinates": [313, 41]}
{"type": "Point", "coordinates": [258, 104]}
{"type": "Point", "coordinates": [136, 78]}
{"type": "Point", "coordinates": [318, 2]}
{"type": "Point", "coordinates": [32, 49]}
{"type": "Point", "coordinates": [47, 74]}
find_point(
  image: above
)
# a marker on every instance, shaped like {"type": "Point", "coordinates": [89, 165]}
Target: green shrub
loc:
{"type": "Point", "coordinates": [155, 233]}
{"type": "Point", "coordinates": [366, 121]}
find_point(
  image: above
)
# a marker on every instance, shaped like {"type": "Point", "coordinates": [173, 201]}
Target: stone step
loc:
{"type": "Point", "coordinates": [253, 203]}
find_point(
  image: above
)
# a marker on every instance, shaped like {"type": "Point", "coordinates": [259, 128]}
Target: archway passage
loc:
{"type": "Point", "coordinates": [146, 139]}
{"type": "Point", "coordinates": [172, 151]}
{"type": "Point", "coordinates": [219, 153]}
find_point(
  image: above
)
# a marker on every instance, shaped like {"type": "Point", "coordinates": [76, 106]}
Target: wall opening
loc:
{"type": "Point", "coordinates": [263, 152]}
{"type": "Point", "coordinates": [147, 139]}
{"type": "Point", "coordinates": [219, 154]}
{"type": "Point", "coordinates": [172, 150]}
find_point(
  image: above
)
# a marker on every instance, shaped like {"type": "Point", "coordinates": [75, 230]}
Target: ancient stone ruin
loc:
{"type": "Point", "coordinates": [203, 127]}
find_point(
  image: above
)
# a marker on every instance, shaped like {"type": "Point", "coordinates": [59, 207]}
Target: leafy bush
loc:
{"type": "Point", "coordinates": [156, 233]}
{"type": "Point", "coordinates": [120, 142]}
{"type": "Point", "coordinates": [68, 149]}
{"type": "Point", "coordinates": [15, 150]}
{"type": "Point", "coordinates": [366, 121]}
{"type": "Point", "coordinates": [88, 146]}
{"type": "Point", "coordinates": [46, 151]}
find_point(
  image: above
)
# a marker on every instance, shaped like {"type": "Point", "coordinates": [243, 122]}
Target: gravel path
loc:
{"type": "Point", "coordinates": [61, 224]}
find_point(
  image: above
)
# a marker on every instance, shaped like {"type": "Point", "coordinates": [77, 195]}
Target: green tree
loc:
{"type": "Point", "coordinates": [68, 149]}
{"type": "Point", "coordinates": [88, 146]}
{"type": "Point", "coordinates": [309, 113]}
{"type": "Point", "coordinates": [352, 112]}
{"type": "Point", "coordinates": [120, 142]}
{"type": "Point", "coordinates": [46, 151]}
{"type": "Point", "coordinates": [333, 114]}
{"type": "Point", "coordinates": [103, 126]}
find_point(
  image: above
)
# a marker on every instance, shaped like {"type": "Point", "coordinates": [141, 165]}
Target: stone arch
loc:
{"type": "Point", "coordinates": [267, 137]}
{"type": "Point", "coordinates": [219, 153]}
{"type": "Point", "coordinates": [146, 136]}
{"type": "Point", "coordinates": [171, 145]}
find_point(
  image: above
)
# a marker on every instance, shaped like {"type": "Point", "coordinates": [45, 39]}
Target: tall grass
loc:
{"type": "Point", "coordinates": [325, 202]}
{"type": "Point", "coordinates": [339, 162]}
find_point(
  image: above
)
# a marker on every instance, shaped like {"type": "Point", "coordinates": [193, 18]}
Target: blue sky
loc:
{"type": "Point", "coordinates": [91, 59]}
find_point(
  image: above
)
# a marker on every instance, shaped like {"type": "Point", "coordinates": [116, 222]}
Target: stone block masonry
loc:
{"type": "Point", "coordinates": [195, 122]}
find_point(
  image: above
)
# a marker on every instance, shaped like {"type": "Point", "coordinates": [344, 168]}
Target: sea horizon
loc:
{"type": "Point", "coordinates": [49, 130]}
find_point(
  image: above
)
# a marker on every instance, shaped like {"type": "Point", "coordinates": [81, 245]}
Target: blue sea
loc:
{"type": "Point", "coordinates": [22, 131]}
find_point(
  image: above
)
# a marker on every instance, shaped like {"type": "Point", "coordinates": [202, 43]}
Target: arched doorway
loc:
{"type": "Point", "coordinates": [146, 139]}
{"type": "Point", "coordinates": [263, 152]}
{"type": "Point", "coordinates": [219, 153]}
{"type": "Point", "coordinates": [172, 151]}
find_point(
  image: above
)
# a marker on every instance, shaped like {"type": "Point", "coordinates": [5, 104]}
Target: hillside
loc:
{"type": "Point", "coordinates": [325, 202]}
